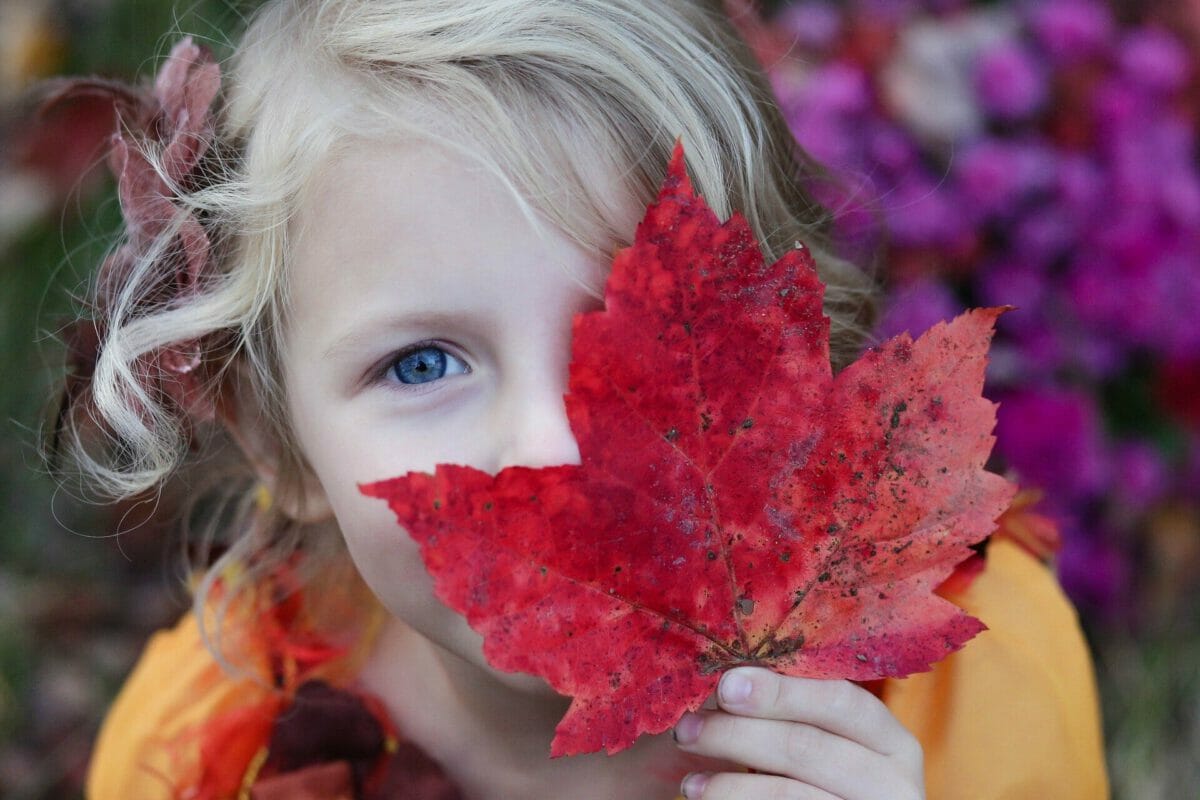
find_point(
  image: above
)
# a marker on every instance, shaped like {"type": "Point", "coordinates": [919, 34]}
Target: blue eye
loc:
{"type": "Point", "coordinates": [427, 363]}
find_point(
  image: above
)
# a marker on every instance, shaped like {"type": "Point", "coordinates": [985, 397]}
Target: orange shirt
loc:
{"type": "Point", "coordinates": [1012, 716]}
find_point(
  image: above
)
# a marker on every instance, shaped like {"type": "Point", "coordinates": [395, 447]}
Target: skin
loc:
{"type": "Point", "coordinates": [403, 244]}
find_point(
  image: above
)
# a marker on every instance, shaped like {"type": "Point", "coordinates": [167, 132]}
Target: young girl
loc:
{"type": "Point", "coordinates": [364, 259]}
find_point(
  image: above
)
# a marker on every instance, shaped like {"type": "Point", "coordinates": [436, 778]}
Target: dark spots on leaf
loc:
{"type": "Point", "coordinates": [900, 548]}
{"type": "Point", "coordinates": [937, 401]}
{"type": "Point", "coordinates": [745, 606]}
{"type": "Point", "coordinates": [533, 498]}
{"type": "Point", "coordinates": [832, 528]}
{"type": "Point", "coordinates": [784, 292]}
{"type": "Point", "coordinates": [841, 458]}
{"type": "Point", "coordinates": [823, 577]}
{"type": "Point", "coordinates": [861, 657]}
{"type": "Point", "coordinates": [487, 506]}
{"type": "Point", "coordinates": [437, 504]}
{"type": "Point", "coordinates": [858, 476]}
{"type": "Point", "coordinates": [687, 328]}
{"type": "Point", "coordinates": [943, 470]}
{"type": "Point", "coordinates": [780, 647]}
{"type": "Point", "coordinates": [900, 408]}
{"type": "Point", "coordinates": [671, 435]}
{"type": "Point", "coordinates": [747, 423]}
{"type": "Point", "coordinates": [854, 591]}
{"type": "Point", "coordinates": [616, 569]}
{"type": "Point", "coordinates": [800, 594]}
{"type": "Point", "coordinates": [543, 570]}
{"type": "Point", "coordinates": [785, 556]}
{"type": "Point", "coordinates": [903, 352]}
{"type": "Point", "coordinates": [712, 556]}
{"type": "Point", "coordinates": [705, 421]}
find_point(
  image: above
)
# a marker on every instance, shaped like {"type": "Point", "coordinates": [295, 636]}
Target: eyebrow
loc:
{"type": "Point", "coordinates": [366, 332]}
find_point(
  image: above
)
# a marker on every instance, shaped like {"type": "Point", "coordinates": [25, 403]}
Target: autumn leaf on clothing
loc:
{"type": "Point", "coordinates": [736, 503]}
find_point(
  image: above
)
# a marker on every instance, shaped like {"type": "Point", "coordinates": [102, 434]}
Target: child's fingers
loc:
{"type": "Point", "coordinates": [806, 753]}
{"type": "Point", "coordinates": [839, 707]}
{"type": "Point", "coordinates": [738, 786]}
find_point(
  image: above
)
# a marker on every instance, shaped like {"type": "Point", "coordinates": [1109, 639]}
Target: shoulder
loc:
{"type": "Point", "coordinates": [285, 719]}
{"type": "Point", "coordinates": [1015, 712]}
{"type": "Point", "coordinates": [175, 689]}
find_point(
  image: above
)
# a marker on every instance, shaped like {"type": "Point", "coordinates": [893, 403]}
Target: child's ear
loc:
{"type": "Point", "coordinates": [297, 495]}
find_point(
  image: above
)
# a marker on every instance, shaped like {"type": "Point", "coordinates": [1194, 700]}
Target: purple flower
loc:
{"type": "Point", "coordinates": [839, 88]}
{"type": "Point", "coordinates": [920, 213]}
{"type": "Point", "coordinates": [1094, 572]}
{"type": "Point", "coordinates": [1173, 293]}
{"type": "Point", "coordinates": [893, 12]}
{"type": "Point", "coordinates": [815, 24]}
{"type": "Point", "coordinates": [1101, 296]}
{"type": "Point", "coordinates": [1100, 357]}
{"type": "Point", "coordinates": [995, 175]}
{"type": "Point", "coordinates": [1051, 436]}
{"type": "Point", "coordinates": [825, 111]}
{"type": "Point", "coordinates": [1080, 184]}
{"type": "Point", "coordinates": [917, 307]}
{"type": "Point", "coordinates": [1071, 30]}
{"type": "Point", "coordinates": [1179, 195]}
{"type": "Point", "coordinates": [1156, 60]}
{"type": "Point", "coordinates": [1043, 352]}
{"type": "Point", "coordinates": [1139, 476]}
{"type": "Point", "coordinates": [891, 149]}
{"type": "Point", "coordinates": [1014, 283]}
{"type": "Point", "coordinates": [1010, 82]}
{"type": "Point", "coordinates": [1045, 234]}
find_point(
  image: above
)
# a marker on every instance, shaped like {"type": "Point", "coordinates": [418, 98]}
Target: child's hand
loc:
{"type": "Point", "coordinates": [806, 738]}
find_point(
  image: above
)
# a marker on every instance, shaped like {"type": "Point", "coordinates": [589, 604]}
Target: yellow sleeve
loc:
{"type": "Point", "coordinates": [1014, 714]}
{"type": "Point", "coordinates": [174, 688]}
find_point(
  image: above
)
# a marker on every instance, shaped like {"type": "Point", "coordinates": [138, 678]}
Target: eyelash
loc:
{"type": "Point", "coordinates": [385, 372]}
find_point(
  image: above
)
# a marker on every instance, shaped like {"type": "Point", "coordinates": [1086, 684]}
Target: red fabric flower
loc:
{"type": "Point", "coordinates": [174, 121]}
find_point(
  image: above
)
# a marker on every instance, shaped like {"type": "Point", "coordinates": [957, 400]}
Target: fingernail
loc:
{"type": "Point", "coordinates": [735, 688]}
{"type": "Point", "coordinates": [687, 730]}
{"type": "Point", "coordinates": [693, 785]}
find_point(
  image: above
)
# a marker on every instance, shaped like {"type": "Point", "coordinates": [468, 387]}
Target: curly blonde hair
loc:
{"type": "Point", "coordinates": [551, 93]}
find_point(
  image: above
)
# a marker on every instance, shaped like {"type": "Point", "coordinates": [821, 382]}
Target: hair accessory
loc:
{"type": "Point", "coordinates": [172, 119]}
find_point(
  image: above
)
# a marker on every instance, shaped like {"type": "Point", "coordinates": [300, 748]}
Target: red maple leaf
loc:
{"type": "Point", "coordinates": [736, 503]}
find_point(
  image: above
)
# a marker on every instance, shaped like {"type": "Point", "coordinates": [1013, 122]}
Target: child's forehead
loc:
{"type": "Point", "coordinates": [397, 230]}
{"type": "Point", "coordinates": [554, 173]}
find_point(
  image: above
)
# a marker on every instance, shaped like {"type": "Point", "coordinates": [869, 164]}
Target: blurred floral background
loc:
{"type": "Point", "coordinates": [1040, 154]}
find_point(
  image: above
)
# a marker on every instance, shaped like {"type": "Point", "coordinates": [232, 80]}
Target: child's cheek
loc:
{"type": "Point", "coordinates": [390, 563]}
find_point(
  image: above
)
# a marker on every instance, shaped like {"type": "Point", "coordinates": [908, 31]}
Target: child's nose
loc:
{"type": "Point", "coordinates": [536, 432]}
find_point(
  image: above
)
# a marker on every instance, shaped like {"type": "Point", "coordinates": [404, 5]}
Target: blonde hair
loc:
{"type": "Point", "coordinates": [558, 93]}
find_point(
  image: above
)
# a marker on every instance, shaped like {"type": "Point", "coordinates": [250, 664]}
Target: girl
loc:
{"type": "Point", "coordinates": [365, 260]}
